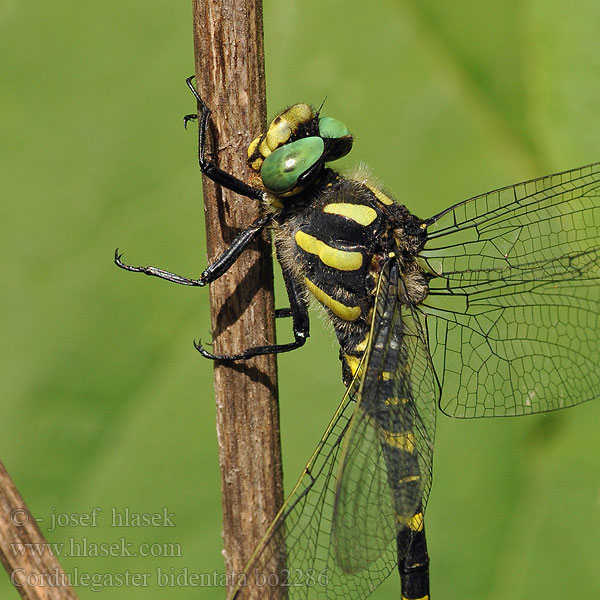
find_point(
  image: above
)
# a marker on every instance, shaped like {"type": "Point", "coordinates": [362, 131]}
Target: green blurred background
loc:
{"type": "Point", "coordinates": [106, 404]}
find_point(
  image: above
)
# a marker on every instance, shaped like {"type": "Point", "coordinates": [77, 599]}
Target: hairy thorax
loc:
{"type": "Point", "coordinates": [335, 240]}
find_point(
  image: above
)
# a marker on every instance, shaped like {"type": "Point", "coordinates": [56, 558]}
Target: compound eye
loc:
{"type": "Point", "coordinates": [332, 128]}
{"type": "Point", "coordinates": [283, 167]}
{"type": "Point", "coordinates": [337, 137]}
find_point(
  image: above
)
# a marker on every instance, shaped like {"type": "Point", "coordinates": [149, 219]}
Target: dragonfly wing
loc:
{"type": "Point", "coordinates": [385, 471]}
{"type": "Point", "coordinates": [343, 499]}
{"type": "Point", "coordinates": [513, 312]}
{"type": "Point", "coordinates": [295, 552]}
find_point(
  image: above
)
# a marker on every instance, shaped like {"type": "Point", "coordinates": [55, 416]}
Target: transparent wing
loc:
{"type": "Point", "coordinates": [313, 544]}
{"type": "Point", "coordinates": [387, 461]}
{"type": "Point", "coordinates": [513, 312]}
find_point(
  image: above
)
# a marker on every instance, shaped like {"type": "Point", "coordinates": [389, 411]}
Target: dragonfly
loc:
{"type": "Point", "coordinates": [489, 308]}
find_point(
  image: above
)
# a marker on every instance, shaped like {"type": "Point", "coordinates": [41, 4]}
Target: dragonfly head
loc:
{"type": "Point", "coordinates": [292, 153]}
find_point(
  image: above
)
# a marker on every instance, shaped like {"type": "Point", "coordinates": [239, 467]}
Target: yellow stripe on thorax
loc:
{"type": "Point", "coordinates": [426, 597]}
{"type": "Point", "coordinates": [381, 196]}
{"type": "Point", "coordinates": [363, 215]}
{"type": "Point", "coordinates": [347, 313]}
{"type": "Point", "coordinates": [362, 346]}
{"type": "Point", "coordinates": [353, 362]}
{"type": "Point", "coordinates": [332, 257]}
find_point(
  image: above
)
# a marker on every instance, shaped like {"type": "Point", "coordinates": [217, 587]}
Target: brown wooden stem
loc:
{"type": "Point", "coordinates": [229, 55]}
{"type": "Point", "coordinates": [33, 569]}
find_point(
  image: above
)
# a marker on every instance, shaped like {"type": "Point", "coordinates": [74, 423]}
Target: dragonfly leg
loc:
{"type": "Point", "coordinates": [298, 310]}
{"type": "Point", "coordinates": [209, 169]}
{"type": "Point", "coordinates": [214, 270]}
{"type": "Point", "coordinates": [188, 118]}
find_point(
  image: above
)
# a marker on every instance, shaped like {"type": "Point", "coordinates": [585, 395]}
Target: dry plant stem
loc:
{"type": "Point", "coordinates": [34, 577]}
{"type": "Point", "coordinates": [230, 77]}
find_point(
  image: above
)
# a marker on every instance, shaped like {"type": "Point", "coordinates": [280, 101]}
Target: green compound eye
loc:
{"type": "Point", "coordinates": [282, 168]}
{"type": "Point", "coordinates": [332, 128]}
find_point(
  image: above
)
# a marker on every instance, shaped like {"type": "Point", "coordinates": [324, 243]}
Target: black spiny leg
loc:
{"type": "Point", "coordinates": [213, 271]}
{"type": "Point", "coordinates": [298, 310]}
{"type": "Point", "coordinates": [209, 169]}
{"type": "Point", "coordinates": [188, 118]}
{"type": "Point", "coordinates": [225, 180]}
